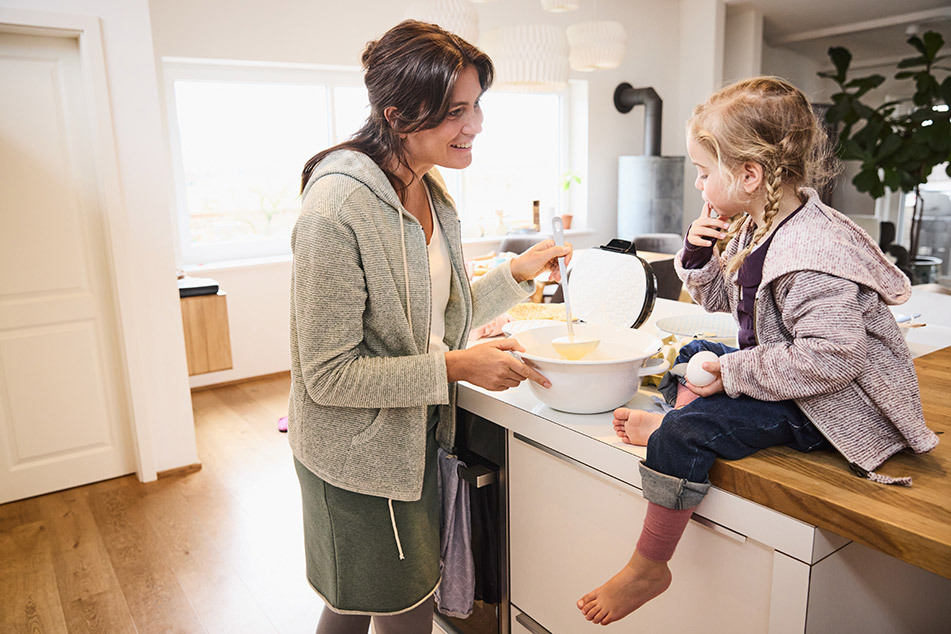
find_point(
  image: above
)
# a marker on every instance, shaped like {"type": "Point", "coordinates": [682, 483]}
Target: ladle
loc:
{"type": "Point", "coordinates": [570, 347]}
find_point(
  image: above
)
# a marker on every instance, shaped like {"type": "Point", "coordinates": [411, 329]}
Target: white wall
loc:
{"type": "Point", "coordinates": [700, 73]}
{"type": "Point", "coordinates": [798, 70]}
{"type": "Point", "coordinates": [324, 32]}
{"type": "Point", "coordinates": [742, 43]}
{"type": "Point", "coordinates": [148, 297]}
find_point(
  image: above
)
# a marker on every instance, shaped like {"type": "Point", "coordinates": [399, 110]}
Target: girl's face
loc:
{"type": "Point", "coordinates": [716, 190]}
{"type": "Point", "coordinates": [450, 143]}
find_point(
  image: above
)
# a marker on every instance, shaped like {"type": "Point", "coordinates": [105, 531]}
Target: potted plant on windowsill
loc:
{"type": "Point", "coordinates": [566, 180]}
{"type": "Point", "coordinates": [898, 143]}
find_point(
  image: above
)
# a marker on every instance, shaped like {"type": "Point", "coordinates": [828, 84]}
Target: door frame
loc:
{"type": "Point", "coordinates": [86, 30]}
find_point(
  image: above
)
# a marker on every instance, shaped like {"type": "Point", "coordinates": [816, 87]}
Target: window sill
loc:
{"type": "Point", "coordinates": [495, 241]}
{"type": "Point", "coordinates": [199, 270]}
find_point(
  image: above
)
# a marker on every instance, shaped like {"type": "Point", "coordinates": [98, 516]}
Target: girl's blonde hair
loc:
{"type": "Point", "coordinates": [764, 120]}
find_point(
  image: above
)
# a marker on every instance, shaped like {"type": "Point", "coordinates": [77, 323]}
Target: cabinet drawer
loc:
{"type": "Point", "coordinates": [572, 528]}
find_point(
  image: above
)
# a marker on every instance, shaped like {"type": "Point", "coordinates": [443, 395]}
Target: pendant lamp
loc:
{"type": "Point", "coordinates": [529, 58]}
{"type": "Point", "coordinates": [596, 45]}
{"type": "Point", "coordinates": [455, 16]}
{"type": "Point", "coordinates": [559, 6]}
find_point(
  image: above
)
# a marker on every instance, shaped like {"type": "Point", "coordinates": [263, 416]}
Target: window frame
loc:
{"type": "Point", "coordinates": [228, 71]}
{"type": "Point", "coordinates": [572, 155]}
{"type": "Point", "coordinates": [572, 150]}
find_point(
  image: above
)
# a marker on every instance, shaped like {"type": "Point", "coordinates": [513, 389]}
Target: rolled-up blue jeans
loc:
{"type": "Point", "coordinates": [682, 450]}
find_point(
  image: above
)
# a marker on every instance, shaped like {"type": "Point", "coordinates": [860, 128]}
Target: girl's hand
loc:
{"type": "Point", "coordinates": [489, 365]}
{"type": "Point", "coordinates": [541, 257]}
{"type": "Point", "coordinates": [708, 228]}
{"type": "Point", "coordinates": [713, 367]}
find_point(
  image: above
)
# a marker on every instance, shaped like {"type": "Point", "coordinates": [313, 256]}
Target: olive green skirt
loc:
{"type": "Point", "coordinates": [353, 557]}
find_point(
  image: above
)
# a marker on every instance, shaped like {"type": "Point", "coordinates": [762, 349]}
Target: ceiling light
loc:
{"type": "Point", "coordinates": [559, 6]}
{"type": "Point", "coordinates": [596, 45]}
{"type": "Point", "coordinates": [455, 16]}
{"type": "Point", "coordinates": [529, 58]}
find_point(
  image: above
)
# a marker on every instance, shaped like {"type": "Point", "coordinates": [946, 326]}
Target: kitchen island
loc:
{"type": "Point", "coordinates": [784, 542]}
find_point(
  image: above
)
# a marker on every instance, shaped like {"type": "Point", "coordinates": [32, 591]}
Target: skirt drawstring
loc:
{"type": "Point", "coordinates": [396, 533]}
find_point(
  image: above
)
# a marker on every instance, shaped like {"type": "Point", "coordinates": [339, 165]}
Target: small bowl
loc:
{"type": "Point", "coordinates": [604, 379]}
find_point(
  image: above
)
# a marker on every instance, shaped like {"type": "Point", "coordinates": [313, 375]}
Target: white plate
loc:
{"type": "Point", "coordinates": [711, 326]}
{"type": "Point", "coordinates": [515, 327]}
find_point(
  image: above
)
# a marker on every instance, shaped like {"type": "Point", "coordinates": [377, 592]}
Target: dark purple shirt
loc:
{"type": "Point", "coordinates": [748, 277]}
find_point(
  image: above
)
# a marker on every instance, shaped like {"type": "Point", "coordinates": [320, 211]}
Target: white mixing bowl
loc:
{"type": "Point", "coordinates": [603, 380]}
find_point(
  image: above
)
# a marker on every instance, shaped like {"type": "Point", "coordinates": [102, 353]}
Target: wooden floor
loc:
{"type": "Point", "coordinates": [216, 550]}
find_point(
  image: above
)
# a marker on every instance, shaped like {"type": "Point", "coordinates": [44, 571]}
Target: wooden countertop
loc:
{"type": "Point", "coordinates": [910, 523]}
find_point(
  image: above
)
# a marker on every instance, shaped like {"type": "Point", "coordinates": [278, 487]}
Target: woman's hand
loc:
{"type": "Point", "coordinates": [543, 256]}
{"type": "Point", "coordinates": [708, 228]}
{"type": "Point", "coordinates": [489, 365]}
{"type": "Point", "coordinates": [713, 367]}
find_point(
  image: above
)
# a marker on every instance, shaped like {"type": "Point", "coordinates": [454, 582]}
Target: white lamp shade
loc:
{"type": "Point", "coordinates": [528, 58]}
{"type": "Point", "coordinates": [596, 45]}
{"type": "Point", "coordinates": [455, 16]}
{"type": "Point", "coordinates": [559, 6]}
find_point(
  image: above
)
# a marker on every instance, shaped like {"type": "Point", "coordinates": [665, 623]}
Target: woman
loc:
{"type": "Point", "coordinates": [380, 313]}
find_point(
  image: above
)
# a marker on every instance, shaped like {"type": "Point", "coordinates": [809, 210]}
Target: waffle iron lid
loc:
{"type": "Point", "coordinates": [612, 286]}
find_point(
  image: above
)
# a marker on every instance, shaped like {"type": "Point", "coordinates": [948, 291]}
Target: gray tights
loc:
{"type": "Point", "coordinates": [419, 620]}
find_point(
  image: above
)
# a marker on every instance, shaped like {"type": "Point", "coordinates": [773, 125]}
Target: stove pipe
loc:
{"type": "Point", "coordinates": [626, 97]}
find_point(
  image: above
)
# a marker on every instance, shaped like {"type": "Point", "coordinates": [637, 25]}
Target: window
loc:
{"type": "Point", "coordinates": [523, 149]}
{"type": "Point", "coordinates": [240, 137]}
{"type": "Point", "coordinates": [241, 133]}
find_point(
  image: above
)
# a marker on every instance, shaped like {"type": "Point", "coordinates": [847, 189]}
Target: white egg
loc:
{"type": "Point", "coordinates": [695, 372]}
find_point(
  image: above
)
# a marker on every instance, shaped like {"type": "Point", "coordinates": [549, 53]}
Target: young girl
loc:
{"type": "Point", "coordinates": [821, 359]}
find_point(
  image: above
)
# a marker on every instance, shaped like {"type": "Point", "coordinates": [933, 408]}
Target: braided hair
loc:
{"type": "Point", "coordinates": [768, 121]}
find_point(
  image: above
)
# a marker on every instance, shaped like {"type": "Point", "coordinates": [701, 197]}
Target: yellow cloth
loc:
{"type": "Point", "coordinates": [668, 351]}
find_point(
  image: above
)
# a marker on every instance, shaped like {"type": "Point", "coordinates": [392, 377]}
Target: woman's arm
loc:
{"type": "Point", "coordinates": [329, 296]}
{"type": "Point", "coordinates": [511, 282]}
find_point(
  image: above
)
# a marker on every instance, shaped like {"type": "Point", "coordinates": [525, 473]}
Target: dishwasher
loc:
{"type": "Point", "coordinates": [481, 446]}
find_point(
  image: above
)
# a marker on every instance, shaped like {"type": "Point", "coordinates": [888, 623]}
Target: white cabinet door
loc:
{"type": "Point", "coordinates": [572, 528]}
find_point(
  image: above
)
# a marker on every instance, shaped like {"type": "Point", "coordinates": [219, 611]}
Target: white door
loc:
{"type": "Point", "coordinates": [64, 414]}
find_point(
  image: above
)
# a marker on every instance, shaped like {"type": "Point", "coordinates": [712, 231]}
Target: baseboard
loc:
{"type": "Point", "coordinates": [189, 468]}
{"type": "Point", "coordinates": [261, 377]}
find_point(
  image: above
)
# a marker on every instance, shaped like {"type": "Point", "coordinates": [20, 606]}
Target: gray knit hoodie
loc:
{"type": "Point", "coordinates": [361, 378]}
{"type": "Point", "coordinates": [825, 336]}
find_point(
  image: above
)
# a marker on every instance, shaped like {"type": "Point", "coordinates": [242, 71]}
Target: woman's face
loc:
{"type": "Point", "coordinates": [450, 143]}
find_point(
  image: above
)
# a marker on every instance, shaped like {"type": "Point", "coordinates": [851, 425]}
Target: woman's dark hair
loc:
{"type": "Point", "coordinates": [412, 68]}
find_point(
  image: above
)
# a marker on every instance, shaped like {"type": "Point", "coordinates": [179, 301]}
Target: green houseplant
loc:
{"type": "Point", "coordinates": [566, 180]}
{"type": "Point", "coordinates": [897, 143]}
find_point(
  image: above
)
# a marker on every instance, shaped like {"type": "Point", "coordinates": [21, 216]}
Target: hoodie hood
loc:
{"type": "Point", "coordinates": [819, 238]}
{"type": "Point", "coordinates": [362, 168]}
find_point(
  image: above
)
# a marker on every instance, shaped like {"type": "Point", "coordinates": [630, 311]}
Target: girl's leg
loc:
{"type": "Point", "coordinates": [419, 620]}
{"type": "Point", "coordinates": [692, 437]}
{"type": "Point", "coordinates": [646, 574]}
{"type": "Point", "coordinates": [334, 623]}
{"type": "Point", "coordinates": [674, 479]}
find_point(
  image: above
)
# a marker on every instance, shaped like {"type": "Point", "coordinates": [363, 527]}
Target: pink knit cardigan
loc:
{"type": "Point", "coordinates": [825, 336]}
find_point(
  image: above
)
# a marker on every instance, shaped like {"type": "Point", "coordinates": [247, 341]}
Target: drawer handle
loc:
{"type": "Point", "coordinates": [530, 624]}
{"type": "Point", "coordinates": [477, 476]}
{"type": "Point", "coordinates": [723, 530]}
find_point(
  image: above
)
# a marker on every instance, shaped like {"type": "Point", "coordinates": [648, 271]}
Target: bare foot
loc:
{"type": "Point", "coordinates": [635, 426]}
{"type": "Point", "coordinates": [637, 583]}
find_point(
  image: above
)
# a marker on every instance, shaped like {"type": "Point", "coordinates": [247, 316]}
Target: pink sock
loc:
{"type": "Point", "coordinates": [684, 396]}
{"type": "Point", "coordinates": [662, 530]}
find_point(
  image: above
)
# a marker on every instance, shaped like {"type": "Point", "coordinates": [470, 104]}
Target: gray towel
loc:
{"type": "Point", "coordinates": [456, 591]}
